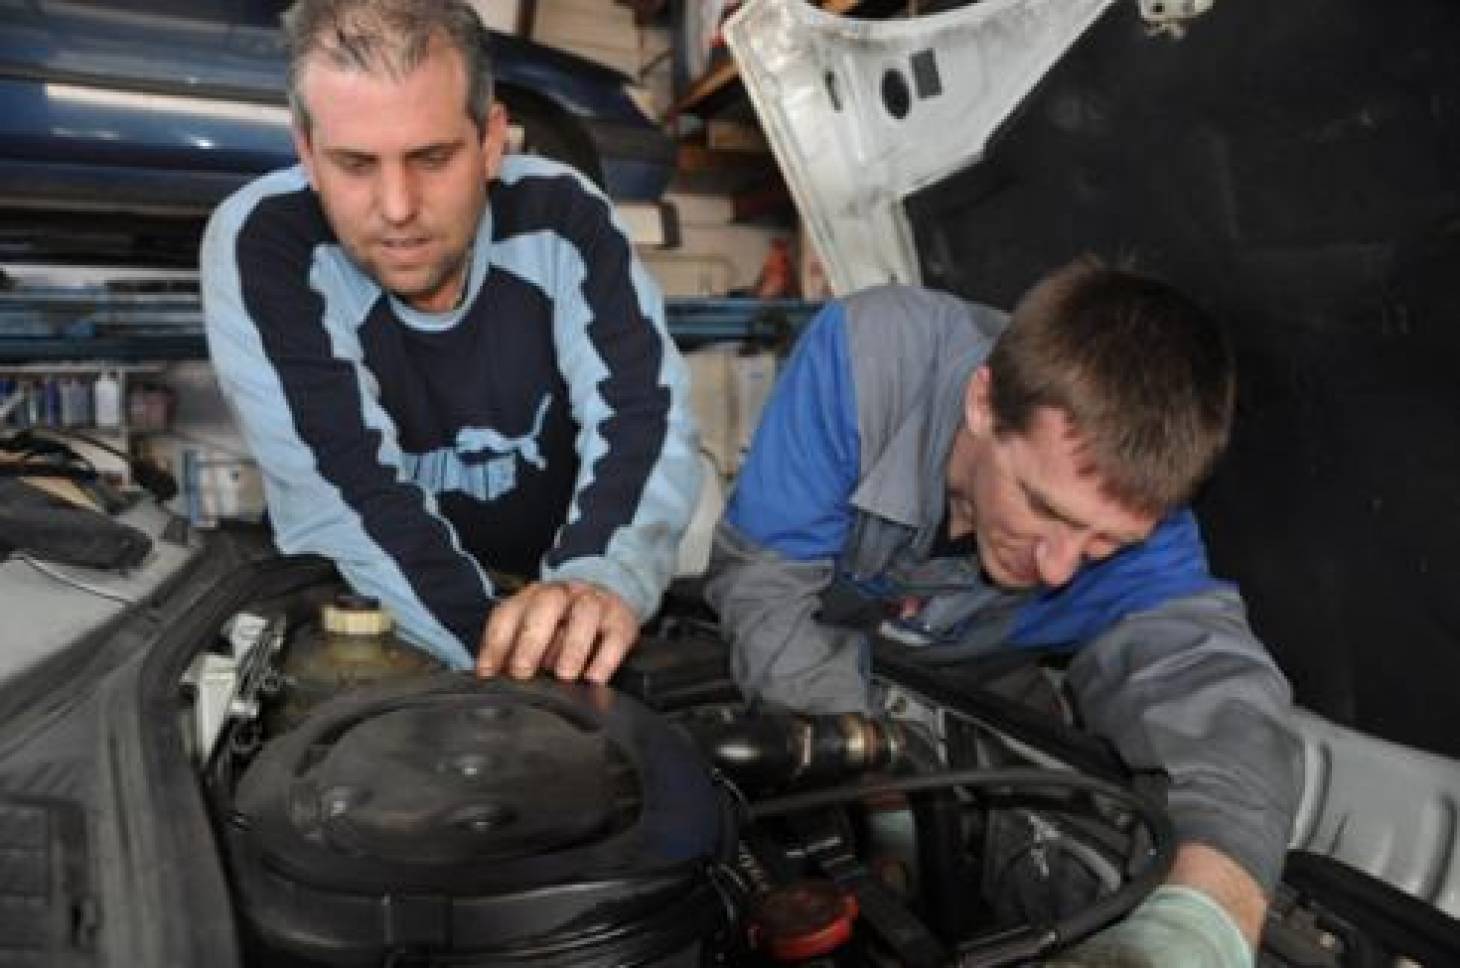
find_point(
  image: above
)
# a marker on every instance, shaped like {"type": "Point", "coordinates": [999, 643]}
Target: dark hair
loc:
{"type": "Point", "coordinates": [1145, 376]}
{"type": "Point", "coordinates": [390, 37]}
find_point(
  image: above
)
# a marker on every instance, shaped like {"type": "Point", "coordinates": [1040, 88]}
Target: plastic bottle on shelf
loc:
{"type": "Point", "coordinates": [34, 406]}
{"type": "Point", "coordinates": [75, 402]}
{"type": "Point", "coordinates": [107, 398]}
{"type": "Point", "coordinates": [85, 406]}
{"type": "Point", "coordinates": [51, 401]}
{"type": "Point", "coordinates": [135, 405]}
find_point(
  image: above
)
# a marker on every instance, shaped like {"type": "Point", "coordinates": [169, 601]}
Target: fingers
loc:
{"type": "Point", "coordinates": [579, 635]}
{"type": "Point", "coordinates": [497, 637]}
{"type": "Point", "coordinates": [568, 628]}
{"type": "Point", "coordinates": [617, 633]}
{"type": "Point", "coordinates": [520, 630]}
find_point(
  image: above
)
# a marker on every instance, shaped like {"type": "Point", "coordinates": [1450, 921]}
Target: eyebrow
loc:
{"type": "Point", "coordinates": [437, 148]}
{"type": "Point", "coordinates": [1043, 505]}
{"type": "Point", "coordinates": [348, 154]}
{"type": "Point", "coordinates": [351, 154]}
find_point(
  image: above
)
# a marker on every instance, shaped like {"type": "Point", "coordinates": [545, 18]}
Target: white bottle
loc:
{"type": "Point", "coordinates": [108, 400]}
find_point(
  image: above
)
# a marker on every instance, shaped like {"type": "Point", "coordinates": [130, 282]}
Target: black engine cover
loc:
{"type": "Point", "coordinates": [513, 823]}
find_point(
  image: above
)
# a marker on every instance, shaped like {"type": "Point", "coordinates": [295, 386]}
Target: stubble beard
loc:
{"type": "Point", "coordinates": [418, 284]}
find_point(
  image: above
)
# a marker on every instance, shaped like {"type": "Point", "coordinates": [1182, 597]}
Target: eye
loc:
{"type": "Point", "coordinates": [353, 165]}
{"type": "Point", "coordinates": [1037, 505]}
{"type": "Point", "coordinates": [435, 159]}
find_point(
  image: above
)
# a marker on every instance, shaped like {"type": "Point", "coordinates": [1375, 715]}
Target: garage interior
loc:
{"type": "Point", "coordinates": [1296, 168]}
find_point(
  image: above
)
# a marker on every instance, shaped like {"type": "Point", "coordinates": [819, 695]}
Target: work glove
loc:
{"type": "Point", "coordinates": [1175, 927]}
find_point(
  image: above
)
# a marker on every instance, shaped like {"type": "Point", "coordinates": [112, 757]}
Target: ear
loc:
{"type": "Point", "coordinates": [494, 140]}
{"type": "Point", "coordinates": [978, 405]}
{"type": "Point", "coordinates": [304, 148]}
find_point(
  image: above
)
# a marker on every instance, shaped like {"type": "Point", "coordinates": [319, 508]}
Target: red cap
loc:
{"type": "Point", "coordinates": [803, 920]}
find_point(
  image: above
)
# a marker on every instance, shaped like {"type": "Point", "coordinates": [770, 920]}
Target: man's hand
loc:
{"type": "Point", "coordinates": [1176, 927]}
{"type": "Point", "coordinates": [564, 626]}
{"type": "Point", "coordinates": [1208, 914]}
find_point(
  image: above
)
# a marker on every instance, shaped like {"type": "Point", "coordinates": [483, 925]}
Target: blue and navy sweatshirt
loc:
{"type": "Point", "coordinates": [541, 429]}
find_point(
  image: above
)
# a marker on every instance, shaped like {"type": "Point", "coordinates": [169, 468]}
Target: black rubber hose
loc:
{"type": "Point", "coordinates": [1022, 946]}
{"type": "Point", "coordinates": [770, 751]}
{"type": "Point", "coordinates": [757, 752]}
{"type": "Point", "coordinates": [938, 817]}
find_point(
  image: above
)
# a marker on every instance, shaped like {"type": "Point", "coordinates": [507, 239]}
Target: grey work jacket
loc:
{"type": "Point", "coordinates": [1183, 687]}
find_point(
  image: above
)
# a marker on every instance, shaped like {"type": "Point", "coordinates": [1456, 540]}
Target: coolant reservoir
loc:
{"type": "Point", "coordinates": [354, 645]}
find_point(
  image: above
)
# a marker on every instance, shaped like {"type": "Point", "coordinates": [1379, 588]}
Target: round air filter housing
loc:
{"type": "Point", "coordinates": [512, 823]}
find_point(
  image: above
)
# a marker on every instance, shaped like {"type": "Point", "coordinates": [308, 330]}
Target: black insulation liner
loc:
{"type": "Point", "coordinates": [1295, 167]}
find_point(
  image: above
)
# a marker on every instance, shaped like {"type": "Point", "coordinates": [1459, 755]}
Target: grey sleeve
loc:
{"type": "Point", "coordinates": [780, 653]}
{"type": "Point", "coordinates": [1188, 689]}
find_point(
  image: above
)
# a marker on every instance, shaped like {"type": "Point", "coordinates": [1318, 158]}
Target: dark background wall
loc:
{"type": "Point", "coordinates": [1296, 167]}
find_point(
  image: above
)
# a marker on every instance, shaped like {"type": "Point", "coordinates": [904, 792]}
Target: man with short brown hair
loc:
{"type": "Point", "coordinates": [935, 472]}
{"type": "Point", "coordinates": [1155, 426]}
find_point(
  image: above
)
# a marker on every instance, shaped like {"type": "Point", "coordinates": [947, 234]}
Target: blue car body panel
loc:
{"type": "Point", "coordinates": [135, 107]}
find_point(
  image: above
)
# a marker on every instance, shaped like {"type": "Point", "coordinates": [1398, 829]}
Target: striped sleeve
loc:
{"type": "Point", "coordinates": [639, 470]}
{"type": "Point", "coordinates": [282, 336]}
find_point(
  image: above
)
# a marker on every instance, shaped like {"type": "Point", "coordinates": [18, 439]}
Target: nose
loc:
{"type": "Point", "coordinates": [397, 194]}
{"type": "Point", "coordinates": [1058, 554]}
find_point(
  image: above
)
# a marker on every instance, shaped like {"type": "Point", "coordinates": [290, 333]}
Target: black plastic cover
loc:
{"type": "Point", "coordinates": [48, 528]}
{"type": "Point", "coordinates": [525, 823]}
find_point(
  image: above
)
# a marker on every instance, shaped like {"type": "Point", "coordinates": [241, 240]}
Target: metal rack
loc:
{"type": "Point", "coordinates": [56, 326]}
{"type": "Point", "coordinates": [95, 329]}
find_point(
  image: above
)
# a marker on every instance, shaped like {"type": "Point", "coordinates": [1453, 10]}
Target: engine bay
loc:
{"type": "Point", "coordinates": [374, 808]}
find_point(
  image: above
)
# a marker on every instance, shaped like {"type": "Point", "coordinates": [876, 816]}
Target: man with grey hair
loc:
{"type": "Point", "coordinates": [447, 359]}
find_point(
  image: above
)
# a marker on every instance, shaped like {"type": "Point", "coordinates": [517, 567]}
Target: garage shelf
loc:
{"type": "Point", "coordinates": [47, 328]}
{"type": "Point", "coordinates": [719, 86]}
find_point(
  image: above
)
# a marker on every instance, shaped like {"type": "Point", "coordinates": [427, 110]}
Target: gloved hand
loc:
{"type": "Point", "coordinates": [1175, 927]}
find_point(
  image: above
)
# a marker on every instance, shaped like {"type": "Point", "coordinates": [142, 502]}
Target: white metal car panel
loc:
{"type": "Point", "coordinates": [828, 91]}
{"type": "Point", "coordinates": [1389, 810]}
